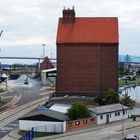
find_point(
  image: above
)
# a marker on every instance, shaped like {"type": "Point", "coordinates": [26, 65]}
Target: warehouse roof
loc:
{"type": "Point", "coordinates": [44, 115]}
{"type": "Point", "coordinates": [88, 30]}
{"type": "Point", "coordinates": [108, 108]}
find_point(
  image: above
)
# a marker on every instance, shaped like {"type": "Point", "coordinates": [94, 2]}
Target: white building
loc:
{"type": "Point", "coordinates": [48, 77]}
{"type": "Point", "coordinates": [45, 120]}
{"type": "Point", "coordinates": [110, 113]}
{"type": "Point", "coordinates": [60, 107]}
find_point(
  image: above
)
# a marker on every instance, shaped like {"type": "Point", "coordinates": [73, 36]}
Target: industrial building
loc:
{"type": "Point", "coordinates": [87, 54]}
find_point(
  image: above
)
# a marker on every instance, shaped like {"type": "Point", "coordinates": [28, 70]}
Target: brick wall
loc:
{"type": "Point", "coordinates": [86, 69]}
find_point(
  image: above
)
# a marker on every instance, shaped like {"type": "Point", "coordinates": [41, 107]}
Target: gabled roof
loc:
{"type": "Point", "coordinates": [89, 30]}
{"type": "Point", "coordinates": [44, 115]}
{"type": "Point", "coordinates": [108, 108]}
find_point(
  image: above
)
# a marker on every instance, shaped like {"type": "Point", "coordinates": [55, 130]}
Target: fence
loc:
{"type": "Point", "coordinates": [50, 128]}
{"type": "Point", "coordinates": [28, 135]}
{"type": "Point", "coordinates": [80, 123]}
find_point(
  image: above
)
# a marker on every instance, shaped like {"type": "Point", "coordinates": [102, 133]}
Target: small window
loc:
{"type": "Point", "coordinates": [101, 117]}
{"type": "Point", "coordinates": [110, 115]}
{"type": "Point", "coordinates": [123, 112]}
{"type": "Point", "coordinates": [126, 111]}
{"type": "Point", "coordinates": [116, 114]}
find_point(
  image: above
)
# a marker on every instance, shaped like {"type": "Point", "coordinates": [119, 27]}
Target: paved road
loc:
{"type": "Point", "coordinates": [29, 95]}
{"type": "Point", "coordinates": [111, 131]}
{"type": "Point", "coordinates": [28, 92]}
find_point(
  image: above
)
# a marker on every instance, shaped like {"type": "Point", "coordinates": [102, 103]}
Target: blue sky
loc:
{"type": "Point", "coordinates": [27, 24]}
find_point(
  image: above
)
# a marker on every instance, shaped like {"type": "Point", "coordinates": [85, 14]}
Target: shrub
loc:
{"type": "Point", "coordinates": [78, 111]}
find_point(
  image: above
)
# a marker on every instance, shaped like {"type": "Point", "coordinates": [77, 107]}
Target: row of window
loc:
{"type": "Point", "coordinates": [116, 114]}
{"type": "Point", "coordinates": [84, 121]}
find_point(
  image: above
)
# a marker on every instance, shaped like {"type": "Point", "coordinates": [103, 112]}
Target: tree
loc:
{"type": "Point", "coordinates": [78, 111]}
{"type": "Point", "coordinates": [101, 100]}
{"type": "Point", "coordinates": [112, 97]}
{"type": "Point", "coordinates": [127, 101]}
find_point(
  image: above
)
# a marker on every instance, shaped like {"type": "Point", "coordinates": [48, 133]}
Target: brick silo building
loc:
{"type": "Point", "coordinates": [87, 54]}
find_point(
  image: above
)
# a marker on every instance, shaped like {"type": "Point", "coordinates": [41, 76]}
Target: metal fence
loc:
{"type": "Point", "coordinates": [28, 135]}
{"type": "Point", "coordinates": [50, 128]}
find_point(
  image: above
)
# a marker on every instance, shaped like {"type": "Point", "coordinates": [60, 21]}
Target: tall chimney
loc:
{"type": "Point", "coordinates": [68, 16]}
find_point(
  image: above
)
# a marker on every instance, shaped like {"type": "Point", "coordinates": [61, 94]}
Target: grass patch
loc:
{"type": "Point", "coordinates": [37, 134]}
{"type": "Point", "coordinates": [123, 83]}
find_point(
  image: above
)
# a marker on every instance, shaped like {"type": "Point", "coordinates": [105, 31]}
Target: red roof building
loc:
{"type": "Point", "coordinates": [46, 64]}
{"type": "Point", "coordinates": [87, 54]}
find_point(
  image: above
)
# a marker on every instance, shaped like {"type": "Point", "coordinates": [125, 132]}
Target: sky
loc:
{"type": "Point", "coordinates": [27, 24]}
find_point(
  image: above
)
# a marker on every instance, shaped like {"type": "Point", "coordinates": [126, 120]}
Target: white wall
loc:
{"type": "Point", "coordinates": [43, 78]}
{"type": "Point", "coordinates": [47, 81]}
{"type": "Point", "coordinates": [134, 111]}
{"type": "Point", "coordinates": [112, 118]}
{"type": "Point", "coordinates": [42, 126]}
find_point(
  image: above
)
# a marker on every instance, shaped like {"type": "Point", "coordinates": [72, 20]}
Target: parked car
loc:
{"type": "Point", "coordinates": [131, 137]}
{"type": "Point", "coordinates": [26, 82]}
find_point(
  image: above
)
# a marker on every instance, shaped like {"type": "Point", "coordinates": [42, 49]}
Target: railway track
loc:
{"type": "Point", "coordinates": [17, 112]}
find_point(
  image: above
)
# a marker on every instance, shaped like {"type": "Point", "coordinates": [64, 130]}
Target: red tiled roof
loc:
{"type": "Point", "coordinates": [89, 30]}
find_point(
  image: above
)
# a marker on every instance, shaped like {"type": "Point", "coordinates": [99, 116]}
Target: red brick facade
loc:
{"type": "Point", "coordinates": [86, 69]}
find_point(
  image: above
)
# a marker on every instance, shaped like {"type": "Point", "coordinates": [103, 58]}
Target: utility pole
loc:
{"type": "Point", "coordinates": [0, 48]}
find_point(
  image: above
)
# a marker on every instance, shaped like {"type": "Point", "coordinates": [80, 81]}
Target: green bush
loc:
{"type": "Point", "coordinates": [127, 101]}
{"type": "Point", "coordinates": [110, 98]}
{"type": "Point", "coordinates": [78, 111]}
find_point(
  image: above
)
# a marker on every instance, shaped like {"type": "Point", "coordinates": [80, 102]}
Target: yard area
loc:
{"type": "Point", "coordinates": [126, 82]}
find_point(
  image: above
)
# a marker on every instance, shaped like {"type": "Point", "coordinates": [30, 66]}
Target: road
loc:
{"type": "Point", "coordinates": [27, 98]}
{"type": "Point", "coordinates": [112, 131]}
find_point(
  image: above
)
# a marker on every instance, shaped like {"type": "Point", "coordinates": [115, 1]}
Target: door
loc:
{"type": "Point", "coordinates": [107, 118]}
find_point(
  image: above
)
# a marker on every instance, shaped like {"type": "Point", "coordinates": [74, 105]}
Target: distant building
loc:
{"type": "Point", "coordinates": [48, 77]}
{"type": "Point", "coordinates": [134, 67]}
{"type": "Point", "coordinates": [44, 120]}
{"type": "Point", "coordinates": [46, 64]}
{"type": "Point", "coordinates": [87, 54]}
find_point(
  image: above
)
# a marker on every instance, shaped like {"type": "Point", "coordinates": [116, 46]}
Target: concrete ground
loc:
{"type": "Point", "coordinates": [100, 132]}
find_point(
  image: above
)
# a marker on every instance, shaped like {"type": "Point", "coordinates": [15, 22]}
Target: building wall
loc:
{"type": "Point", "coordinates": [112, 117]}
{"type": "Point", "coordinates": [134, 111]}
{"type": "Point", "coordinates": [42, 126]}
{"type": "Point", "coordinates": [86, 69]}
{"type": "Point", "coordinates": [47, 81]}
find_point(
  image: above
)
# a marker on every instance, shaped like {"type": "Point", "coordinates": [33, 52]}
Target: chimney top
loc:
{"type": "Point", "coordinates": [68, 15]}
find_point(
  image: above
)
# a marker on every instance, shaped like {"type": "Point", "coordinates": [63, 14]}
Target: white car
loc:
{"type": "Point", "coordinates": [131, 137]}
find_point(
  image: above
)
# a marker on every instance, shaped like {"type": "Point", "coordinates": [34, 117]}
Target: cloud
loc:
{"type": "Point", "coordinates": [30, 23]}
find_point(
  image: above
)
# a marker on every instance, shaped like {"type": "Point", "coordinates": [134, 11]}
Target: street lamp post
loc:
{"type": "Point", "coordinates": [43, 50]}
{"type": "Point", "coordinates": [0, 48]}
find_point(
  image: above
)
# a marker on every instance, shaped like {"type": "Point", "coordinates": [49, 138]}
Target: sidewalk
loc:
{"type": "Point", "coordinates": [115, 127]}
